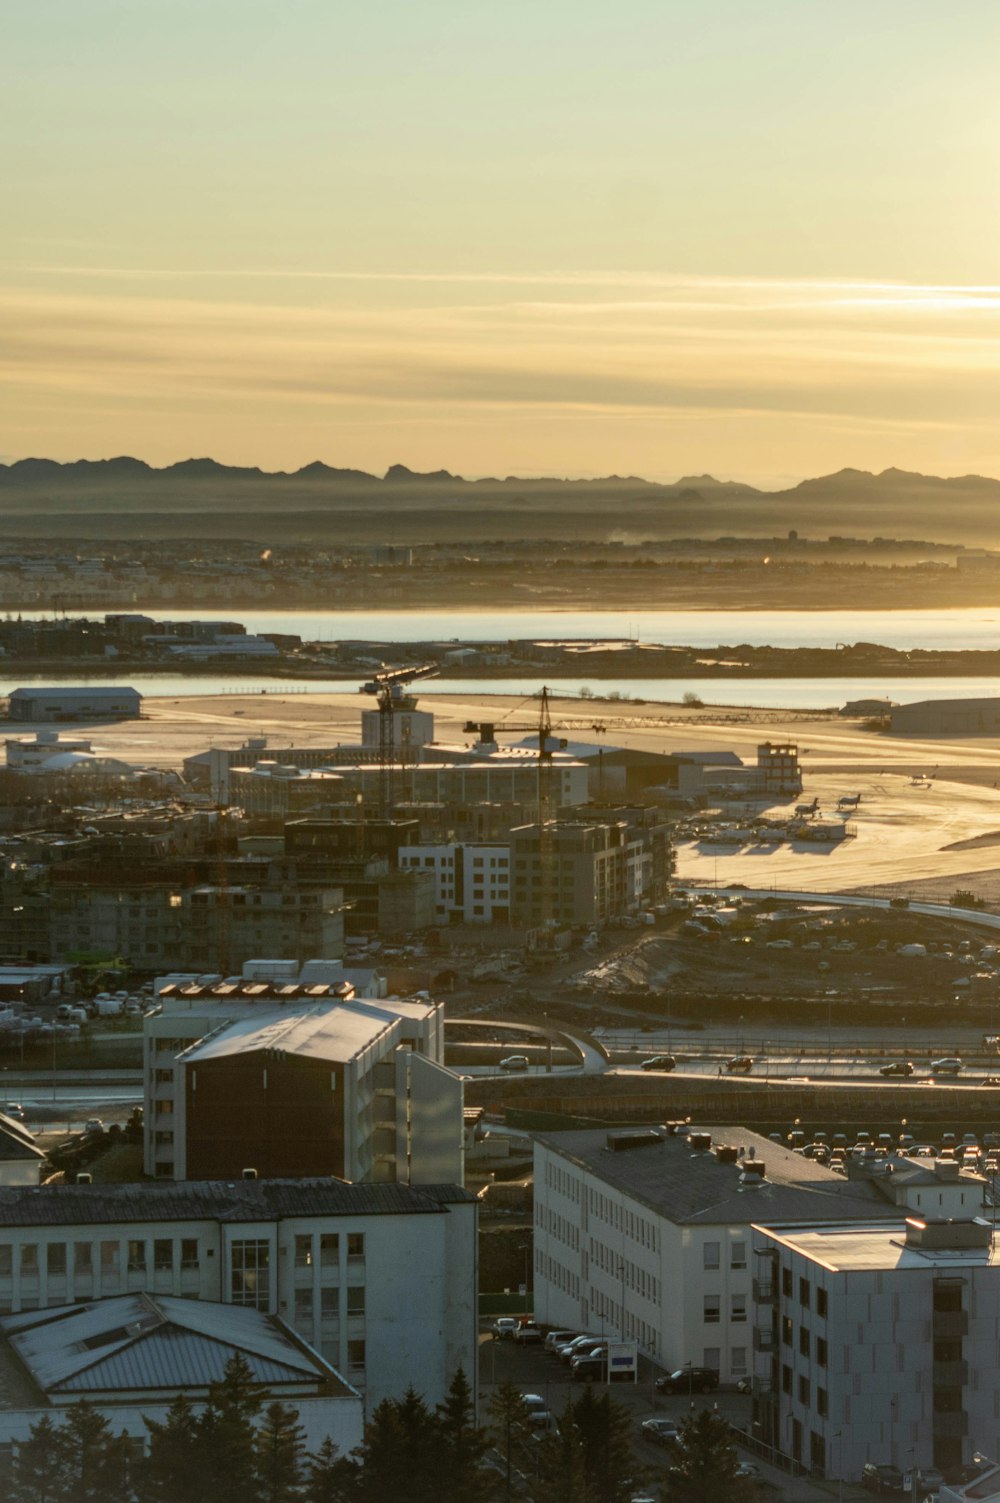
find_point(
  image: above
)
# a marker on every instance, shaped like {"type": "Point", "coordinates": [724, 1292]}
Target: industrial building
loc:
{"type": "Point", "coordinates": [378, 1279]}
{"type": "Point", "coordinates": [62, 703]}
{"type": "Point", "coordinates": [947, 717]}
{"type": "Point", "coordinates": [877, 1343]}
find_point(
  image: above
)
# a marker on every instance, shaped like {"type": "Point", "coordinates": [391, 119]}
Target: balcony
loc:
{"type": "Point", "coordinates": [950, 1425]}
{"type": "Point", "coordinates": [765, 1292]}
{"type": "Point", "coordinates": [950, 1325]}
{"type": "Point", "coordinates": [764, 1340]}
{"type": "Point", "coordinates": [950, 1374]}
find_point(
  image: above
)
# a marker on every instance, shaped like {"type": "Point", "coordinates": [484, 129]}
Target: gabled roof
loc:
{"type": "Point", "coordinates": [141, 1341]}
{"type": "Point", "coordinates": [17, 1144]}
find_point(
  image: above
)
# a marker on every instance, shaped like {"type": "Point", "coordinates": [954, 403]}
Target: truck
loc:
{"type": "Point", "coordinates": [105, 1007]}
{"type": "Point", "coordinates": [67, 1013]}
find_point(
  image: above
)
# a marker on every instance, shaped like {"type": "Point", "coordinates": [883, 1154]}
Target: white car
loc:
{"type": "Point", "coordinates": [514, 1062]}
{"type": "Point", "coordinates": [948, 1066]}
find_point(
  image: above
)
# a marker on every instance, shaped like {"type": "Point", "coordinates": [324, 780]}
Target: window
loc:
{"type": "Point", "coordinates": [55, 1259]}
{"type": "Point", "coordinates": [355, 1355]}
{"type": "Point", "coordinates": [83, 1258]}
{"type": "Point", "coordinates": [710, 1257]}
{"type": "Point", "coordinates": [6, 1260]}
{"type": "Point", "coordinates": [738, 1255]}
{"type": "Point", "coordinates": [820, 1351]}
{"type": "Point", "coordinates": [712, 1357]}
{"type": "Point", "coordinates": [712, 1307]}
{"type": "Point", "coordinates": [189, 1252]}
{"type": "Point", "coordinates": [356, 1299]}
{"type": "Point", "coordinates": [803, 1390]}
{"type": "Point", "coordinates": [163, 1255]}
{"type": "Point", "coordinates": [164, 1077]}
{"type": "Point", "coordinates": [786, 1330]}
{"type": "Point", "coordinates": [786, 1282]}
{"type": "Point", "coordinates": [110, 1259]}
{"type": "Point", "coordinates": [739, 1358]}
{"type": "Point", "coordinates": [251, 1261]}
{"type": "Point", "coordinates": [137, 1257]}
{"type": "Point", "coordinates": [303, 1304]}
{"type": "Point", "coordinates": [805, 1345]}
{"type": "Point", "coordinates": [303, 1252]}
{"type": "Point", "coordinates": [786, 1379]}
{"type": "Point", "coordinates": [29, 1259]}
{"type": "Point", "coordinates": [329, 1304]}
{"type": "Point", "coordinates": [738, 1310]}
{"type": "Point", "coordinates": [821, 1302]}
{"type": "Point", "coordinates": [822, 1407]}
{"type": "Point", "coordinates": [355, 1244]}
{"type": "Point", "coordinates": [804, 1293]}
{"type": "Point", "coordinates": [329, 1250]}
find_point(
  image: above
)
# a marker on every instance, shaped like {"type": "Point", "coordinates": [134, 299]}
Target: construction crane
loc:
{"type": "Point", "coordinates": [389, 689]}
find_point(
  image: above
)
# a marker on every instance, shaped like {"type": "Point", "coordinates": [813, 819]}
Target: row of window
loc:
{"type": "Point", "coordinates": [805, 1341]}
{"type": "Point", "coordinates": [325, 1249]}
{"type": "Point", "coordinates": [804, 1392]}
{"type": "Point", "coordinates": [329, 1302]}
{"type": "Point", "coordinates": [712, 1255]}
{"type": "Point", "coordinates": [805, 1293]}
{"type": "Point", "coordinates": [83, 1257]}
{"type": "Point", "coordinates": [713, 1308]}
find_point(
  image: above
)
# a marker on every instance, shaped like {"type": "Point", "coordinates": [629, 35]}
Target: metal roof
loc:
{"type": "Point", "coordinates": [217, 1200]}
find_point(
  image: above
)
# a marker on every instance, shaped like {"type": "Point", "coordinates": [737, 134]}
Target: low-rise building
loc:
{"type": "Point", "coordinates": [379, 1279]}
{"type": "Point", "coordinates": [65, 703]}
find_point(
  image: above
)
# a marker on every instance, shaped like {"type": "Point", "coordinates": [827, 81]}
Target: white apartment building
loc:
{"type": "Point", "coordinates": [298, 1077]}
{"type": "Point", "coordinates": [646, 1233]}
{"type": "Point", "coordinates": [471, 882]}
{"type": "Point", "coordinates": [878, 1343]}
{"type": "Point", "coordinates": [380, 1279]}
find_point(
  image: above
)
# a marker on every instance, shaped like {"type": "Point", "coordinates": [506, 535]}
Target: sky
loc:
{"type": "Point", "coordinates": [756, 238]}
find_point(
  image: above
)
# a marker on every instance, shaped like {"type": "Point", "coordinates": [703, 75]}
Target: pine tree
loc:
{"type": "Point", "coordinates": [604, 1430]}
{"type": "Point", "coordinates": [171, 1471]}
{"type": "Point", "coordinates": [461, 1448]}
{"type": "Point", "coordinates": [509, 1415]}
{"type": "Point", "coordinates": [559, 1475]}
{"type": "Point", "coordinates": [397, 1456]}
{"type": "Point", "coordinates": [39, 1473]}
{"type": "Point", "coordinates": [703, 1463]}
{"type": "Point", "coordinates": [227, 1433]}
{"type": "Point", "coordinates": [330, 1477]}
{"type": "Point", "coordinates": [279, 1450]}
{"type": "Point", "coordinates": [96, 1460]}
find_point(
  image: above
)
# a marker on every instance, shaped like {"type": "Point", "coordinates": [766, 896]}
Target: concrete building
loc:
{"type": "Point", "coordinates": [877, 1343]}
{"type": "Point", "coordinates": [947, 717]}
{"type": "Point", "coordinates": [379, 1279]}
{"type": "Point", "coordinates": [574, 873]}
{"type": "Point", "coordinates": [282, 1077]}
{"type": "Point", "coordinates": [471, 882]}
{"type": "Point", "coordinates": [778, 767]}
{"type": "Point", "coordinates": [33, 755]}
{"type": "Point", "coordinates": [63, 703]}
{"type": "Point", "coordinates": [647, 1234]}
{"type": "Point", "coordinates": [133, 1354]}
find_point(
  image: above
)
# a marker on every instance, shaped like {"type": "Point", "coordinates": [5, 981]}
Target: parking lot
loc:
{"type": "Point", "coordinates": [535, 1370]}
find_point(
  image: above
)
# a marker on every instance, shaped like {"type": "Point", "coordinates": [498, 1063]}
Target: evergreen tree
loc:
{"type": "Point", "coordinates": [97, 1462]}
{"type": "Point", "coordinates": [330, 1477]}
{"type": "Point", "coordinates": [604, 1431]}
{"type": "Point", "coordinates": [461, 1448]}
{"type": "Point", "coordinates": [558, 1474]}
{"type": "Point", "coordinates": [227, 1434]}
{"type": "Point", "coordinates": [703, 1463]}
{"type": "Point", "coordinates": [171, 1471]}
{"type": "Point", "coordinates": [396, 1459]}
{"type": "Point", "coordinates": [280, 1448]}
{"type": "Point", "coordinates": [39, 1473]}
{"type": "Point", "coordinates": [509, 1415]}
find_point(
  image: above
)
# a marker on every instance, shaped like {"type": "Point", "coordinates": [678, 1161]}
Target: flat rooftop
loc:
{"type": "Point", "coordinates": [848, 1248]}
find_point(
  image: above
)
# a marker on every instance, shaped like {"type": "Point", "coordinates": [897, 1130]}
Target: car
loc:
{"type": "Point", "coordinates": [744, 1385]}
{"type": "Point", "coordinates": [576, 1348]}
{"type": "Point", "coordinates": [589, 1369]}
{"type": "Point", "coordinates": [14, 1110]}
{"type": "Point", "coordinates": [950, 1065]}
{"type": "Point", "coordinates": [688, 1380]}
{"type": "Point", "coordinates": [897, 1067]}
{"type": "Point", "coordinates": [740, 1064]}
{"type": "Point", "coordinates": [990, 1080]}
{"type": "Point", "coordinates": [503, 1328]}
{"type": "Point", "coordinates": [659, 1062]}
{"type": "Point", "coordinates": [93, 1125]}
{"type": "Point", "coordinates": [881, 1477]}
{"type": "Point", "coordinates": [556, 1338]}
{"type": "Point", "coordinates": [527, 1332]}
{"type": "Point", "coordinates": [539, 1417]}
{"type": "Point", "coordinates": [514, 1062]}
{"type": "Point", "coordinates": [750, 1470]}
{"type": "Point", "coordinates": [662, 1432]}
{"type": "Point", "coordinates": [926, 1480]}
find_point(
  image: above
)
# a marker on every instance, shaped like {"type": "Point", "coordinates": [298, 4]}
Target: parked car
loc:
{"type": "Point", "coordinates": [528, 1332]}
{"type": "Point", "coordinates": [93, 1125]}
{"type": "Point", "coordinates": [553, 1339]}
{"type": "Point", "coordinates": [514, 1062]}
{"type": "Point", "coordinates": [881, 1477]}
{"type": "Point", "coordinates": [740, 1064]}
{"type": "Point", "coordinates": [662, 1432]}
{"type": "Point", "coordinates": [947, 1066]}
{"type": "Point", "coordinates": [660, 1062]}
{"type": "Point", "coordinates": [576, 1348]}
{"type": "Point", "coordinates": [539, 1417]}
{"type": "Point", "coordinates": [750, 1470]}
{"type": "Point", "coordinates": [591, 1368]}
{"type": "Point", "coordinates": [897, 1067]}
{"type": "Point", "coordinates": [14, 1110]}
{"type": "Point", "coordinates": [689, 1380]}
{"type": "Point", "coordinates": [503, 1328]}
{"type": "Point", "coordinates": [927, 1480]}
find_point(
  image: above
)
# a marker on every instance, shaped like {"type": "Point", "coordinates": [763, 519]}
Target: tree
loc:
{"type": "Point", "coordinates": [509, 1414]}
{"type": "Point", "coordinates": [39, 1473]}
{"type": "Point", "coordinates": [461, 1448]}
{"type": "Point", "coordinates": [227, 1435]}
{"type": "Point", "coordinates": [96, 1461]}
{"type": "Point", "coordinates": [703, 1463]}
{"type": "Point", "coordinates": [171, 1471]}
{"type": "Point", "coordinates": [396, 1458]}
{"type": "Point", "coordinates": [279, 1448]}
{"type": "Point", "coordinates": [330, 1477]}
{"type": "Point", "coordinates": [602, 1430]}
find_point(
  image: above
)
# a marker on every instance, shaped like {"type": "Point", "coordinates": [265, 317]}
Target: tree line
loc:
{"type": "Point", "coordinates": [240, 1448]}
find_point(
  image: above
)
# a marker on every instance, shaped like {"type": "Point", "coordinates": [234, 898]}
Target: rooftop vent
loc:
{"type": "Point", "coordinates": [249, 1174]}
{"type": "Point", "coordinates": [726, 1153]}
{"type": "Point", "coordinates": [752, 1171]}
{"type": "Point", "coordinates": [948, 1235]}
{"type": "Point", "coordinates": [701, 1142]}
{"type": "Point", "coordinates": [85, 1179]}
{"type": "Point", "coordinates": [622, 1142]}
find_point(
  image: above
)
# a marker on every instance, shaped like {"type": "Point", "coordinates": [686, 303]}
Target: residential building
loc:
{"type": "Point", "coordinates": [133, 1354]}
{"type": "Point", "coordinates": [877, 1343]}
{"type": "Point", "coordinates": [471, 882]}
{"type": "Point", "coordinates": [646, 1233]}
{"type": "Point", "coordinates": [285, 1077]}
{"type": "Point", "coordinates": [571, 873]}
{"type": "Point", "coordinates": [379, 1279]}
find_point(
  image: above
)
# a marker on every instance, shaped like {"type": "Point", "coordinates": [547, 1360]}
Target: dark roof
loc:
{"type": "Point", "coordinates": [687, 1185]}
{"type": "Point", "coordinates": [219, 1200]}
{"type": "Point", "coordinates": [16, 1142]}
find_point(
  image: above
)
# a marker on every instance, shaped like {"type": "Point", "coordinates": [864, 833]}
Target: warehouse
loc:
{"type": "Point", "coordinates": [63, 703]}
{"type": "Point", "coordinates": [947, 717]}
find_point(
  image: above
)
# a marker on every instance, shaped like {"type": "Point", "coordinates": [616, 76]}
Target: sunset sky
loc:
{"type": "Point", "coordinates": [755, 237]}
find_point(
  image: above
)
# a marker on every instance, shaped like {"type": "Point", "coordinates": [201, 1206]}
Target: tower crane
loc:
{"type": "Point", "coordinates": [389, 688]}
